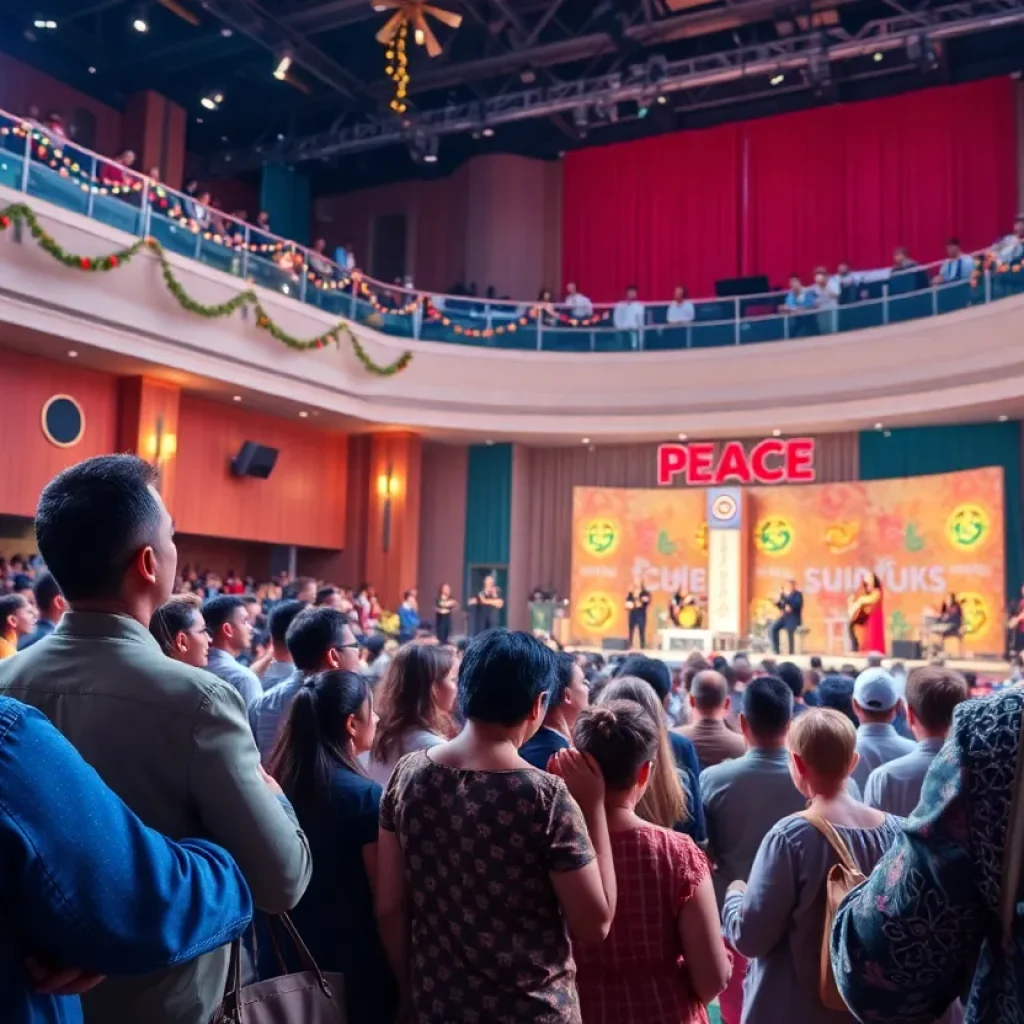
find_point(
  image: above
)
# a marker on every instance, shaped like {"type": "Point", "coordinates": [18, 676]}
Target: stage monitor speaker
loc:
{"type": "Point", "coordinates": [614, 643]}
{"type": "Point", "coordinates": [255, 460]}
{"type": "Point", "coordinates": [906, 650]}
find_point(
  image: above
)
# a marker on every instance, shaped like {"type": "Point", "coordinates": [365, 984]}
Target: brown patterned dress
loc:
{"type": "Point", "coordinates": [488, 941]}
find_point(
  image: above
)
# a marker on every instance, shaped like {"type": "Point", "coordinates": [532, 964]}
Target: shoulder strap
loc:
{"type": "Point", "coordinates": [1013, 848]}
{"type": "Point", "coordinates": [835, 840]}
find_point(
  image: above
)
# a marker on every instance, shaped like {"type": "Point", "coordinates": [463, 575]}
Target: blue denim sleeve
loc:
{"type": "Point", "coordinates": [87, 883]}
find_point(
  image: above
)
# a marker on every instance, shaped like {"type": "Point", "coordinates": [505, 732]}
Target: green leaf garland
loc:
{"type": "Point", "coordinates": [20, 214]}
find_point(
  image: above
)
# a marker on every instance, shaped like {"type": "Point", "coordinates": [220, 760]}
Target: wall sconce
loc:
{"type": "Point", "coordinates": [387, 487]}
{"type": "Point", "coordinates": [161, 447]}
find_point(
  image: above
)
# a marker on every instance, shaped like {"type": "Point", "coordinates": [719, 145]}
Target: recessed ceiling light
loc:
{"type": "Point", "coordinates": [776, 433]}
{"type": "Point", "coordinates": [280, 136]}
{"type": "Point", "coordinates": [218, 98]}
{"type": "Point", "coordinates": [92, 70]}
{"type": "Point", "coordinates": [72, 354]}
{"type": "Point", "coordinates": [236, 398]}
{"type": "Point", "coordinates": [199, 120]}
{"type": "Point", "coordinates": [1003, 419]}
{"type": "Point", "coordinates": [489, 443]}
{"type": "Point", "coordinates": [662, 100]}
{"type": "Point", "coordinates": [303, 414]}
{"type": "Point", "coordinates": [586, 440]}
{"type": "Point", "coordinates": [778, 79]}
{"type": "Point", "coordinates": [682, 437]}
{"type": "Point", "coordinates": [226, 32]}
{"type": "Point", "coordinates": [140, 25]}
{"type": "Point", "coordinates": [878, 426]}
{"type": "Point", "coordinates": [878, 58]}
{"type": "Point", "coordinates": [209, 103]}
{"type": "Point", "coordinates": [223, 138]}
{"type": "Point", "coordinates": [488, 132]}
{"type": "Point", "coordinates": [45, 23]}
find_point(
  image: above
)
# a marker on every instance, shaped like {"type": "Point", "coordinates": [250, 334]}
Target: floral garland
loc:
{"type": "Point", "coordinates": [19, 214]}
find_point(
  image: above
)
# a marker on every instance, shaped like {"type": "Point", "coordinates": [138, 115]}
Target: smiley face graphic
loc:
{"type": "Point", "coordinates": [773, 536]}
{"type": "Point", "coordinates": [595, 612]}
{"type": "Point", "coordinates": [600, 537]}
{"type": "Point", "coordinates": [975, 612]}
{"type": "Point", "coordinates": [967, 527]}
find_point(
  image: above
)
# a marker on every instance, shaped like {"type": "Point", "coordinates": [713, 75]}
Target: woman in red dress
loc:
{"type": "Point", "coordinates": [867, 615]}
{"type": "Point", "coordinates": [664, 959]}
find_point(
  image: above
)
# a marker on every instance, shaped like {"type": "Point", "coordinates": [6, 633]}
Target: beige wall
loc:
{"type": "Point", "coordinates": [497, 219]}
{"type": "Point", "coordinates": [442, 524]}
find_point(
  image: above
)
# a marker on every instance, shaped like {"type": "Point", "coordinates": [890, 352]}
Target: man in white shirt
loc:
{"type": "Point", "coordinates": [956, 266]}
{"type": "Point", "coordinates": [577, 305]}
{"type": "Point", "coordinates": [876, 702]}
{"type": "Point", "coordinates": [933, 694]}
{"type": "Point", "coordinates": [629, 316]}
{"type": "Point", "coordinates": [680, 309]}
{"type": "Point", "coordinates": [1011, 248]}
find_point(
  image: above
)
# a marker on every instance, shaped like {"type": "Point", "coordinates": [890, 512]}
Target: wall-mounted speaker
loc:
{"type": "Point", "coordinates": [254, 460]}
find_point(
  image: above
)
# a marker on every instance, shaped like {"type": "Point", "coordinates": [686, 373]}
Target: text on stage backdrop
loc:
{"type": "Point", "coordinates": [925, 537]}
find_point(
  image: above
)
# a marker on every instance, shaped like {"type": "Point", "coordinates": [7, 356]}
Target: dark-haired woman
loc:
{"type": "Point", "coordinates": [666, 929]}
{"type": "Point", "coordinates": [867, 615]}
{"type": "Point", "coordinates": [486, 865]}
{"type": "Point", "coordinates": [330, 724]}
{"type": "Point", "coordinates": [180, 630]}
{"type": "Point", "coordinates": [415, 701]}
{"type": "Point", "coordinates": [444, 606]}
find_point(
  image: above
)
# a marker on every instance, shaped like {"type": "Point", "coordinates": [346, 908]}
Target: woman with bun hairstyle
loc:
{"type": "Point", "coordinates": [666, 929]}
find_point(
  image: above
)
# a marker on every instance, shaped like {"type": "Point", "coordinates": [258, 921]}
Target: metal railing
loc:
{"type": "Point", "coordinates": [36, 161]}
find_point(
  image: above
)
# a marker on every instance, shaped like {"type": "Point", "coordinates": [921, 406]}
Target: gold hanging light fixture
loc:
{"type": "Point", "coordinates": [395, 36]}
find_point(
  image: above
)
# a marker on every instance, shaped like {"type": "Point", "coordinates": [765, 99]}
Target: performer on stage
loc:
{"type": "Point", "coordinates": [867, 615]}
{"type": "Point", "coordinates": [791, 604]}
{"type": "Point", "coordinates": [1015, 627]}
{"type": "Point", "coordinates": [443, 608]}
{"type": "Point", "coordinates": [684, 611]}
{"type": "Point", "coordinates": [637, 600]}
{"type": "Point", "coordinates": [488, 603]}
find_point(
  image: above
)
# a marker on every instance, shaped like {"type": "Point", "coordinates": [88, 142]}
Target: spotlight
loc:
{"type": "Point", "coordinates": [1003, 419]}
{"type": "Point", "coordinates": [140, 24]}
{"type": "Point", "coordinates": [283, 65]}
{"type": "Point", "coordinates": [226, 33]}
{"type": "Point", "coordinates": [303, 414]}
{"type": "Point", "coordinates": [878, 426]}
{"type": "Point", "coordinates": [92, 70]}
{"type": "Point", "coordinates": [778, 79]}
{"type": "Point", "coordinates": [878, 58]}
{"type": "Point", "coordinates": [218, 98]}
{"type": "Point", "coordinates": [586, 440]}
{"type": "Point", "coordinates": [487, 133]}
{"type": "Point", "coordinates": [209, 102]}
{"type": "Point", "coordinates": [662, 100]}
{"type": "Point", "coordinates": [45, 23]}
{"type": "Point", "coordinates": [776, 433]}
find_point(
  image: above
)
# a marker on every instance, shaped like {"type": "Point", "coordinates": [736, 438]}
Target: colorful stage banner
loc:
{"type": "Point", "coordinates": [924, 536]}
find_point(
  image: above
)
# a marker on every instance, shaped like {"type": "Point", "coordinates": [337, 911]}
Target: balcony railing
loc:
{"type": "Point", "coordinates": [39, 163]}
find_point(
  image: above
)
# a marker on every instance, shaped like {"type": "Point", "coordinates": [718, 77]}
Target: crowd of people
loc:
{"type": "Point", "coordinates": [484, 830]}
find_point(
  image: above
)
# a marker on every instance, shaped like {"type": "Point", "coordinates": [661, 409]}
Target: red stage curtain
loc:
{"type": "Point", "coordinates": [655, 213]}
{"type": "Point", "coordinates": [846, 182]}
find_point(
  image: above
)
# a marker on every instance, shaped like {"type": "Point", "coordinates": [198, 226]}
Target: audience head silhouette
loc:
{"type": "Point", "coordinates": [228, 620]}
{"type": "Point", "coordinates": [319, 639]}
{"type": "Point", "coordinates": [622, 739]}
{"type": "Point", "coordinates": [836, 692]}
{"type": "Point", "coordinates": [652, 671]}
{"type": "Point", "coordinates": [282, 615]}
{"type": "Point", "coordinates": [822, 752]}
{"type": "Point", "coordinates": [767, 712]}
{"type": "Point", "coordinates": [181, 631]}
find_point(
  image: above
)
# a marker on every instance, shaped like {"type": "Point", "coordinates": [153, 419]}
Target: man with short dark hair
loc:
{"type": "Point", "coordinates": [51, 607]}
{"type": "Point", "coordinates": [791, 607]}
{"type": "Point", "coordinates": [567, 698]}
{"type": "Point", "coordinates": [317, 639]}
{"type": "Point", "coordinates": [171, 740]}
{"type": "Point", "coordinates": [709, 701]}
{"type": "Point", "coordinates": [329, 597]}
{"type": "Point", "coordinates": [305, 589]}
{"type": "Point", "coordinates": [876, 701]}
{"type": "Point", "coordinates": [17, 619]}
{"type": "Point", "coordinates": [794, 679]}
{"type": "Point", "coordinates": [230, 627]}
{"type": "Point", "coordinates": [933, 694]}
{"type": "Point", "coordinates": [281, 666]}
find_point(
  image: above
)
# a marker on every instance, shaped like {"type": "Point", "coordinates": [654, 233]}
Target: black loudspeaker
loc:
{"type": "Point", "coordinates": [906, 650]}
{"type": "Point", "coordinates": [254, 460]}
{"type": "Point", "coordinates": [614, 643]}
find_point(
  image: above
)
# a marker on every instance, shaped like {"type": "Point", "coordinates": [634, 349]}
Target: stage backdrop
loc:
{"type": "Point", "coordinates": [924, 537]}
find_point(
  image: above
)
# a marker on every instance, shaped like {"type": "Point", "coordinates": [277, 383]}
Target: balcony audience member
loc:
{"type": "Point", "coordinates": [666, 929]}
{"type": "Point", "coordinates": [744, 798]}
{"type": "Point", "coordinates": [933, 694]}
{"type": "Point", "coordinates": [179, 628]}
{"type": "Point", "coordinates": [200, 210]}
{"type": "Point", "coordinates": [555, 876]}
{"type": "Point", "coordinates": [577, 305]}
{"type": "Point", "coordinates": [826, 298]}
{"type": "Point", "coordinates": [939, 912]}
{"type": "Point", "coordinates": [231, 629]}
{"type": "Point", "coordinates": [798, 298]}
{"type": "Point", "coordinates": [877, 703]}
{"type": "Point", "coordinates": [281, 665]}
{"type": "Point", "coordinates": [901, 259]}
{"type": "Point", "coordinates": [140, 719]}
{"type": "Point", "coordinates": [709, 704]}
{"type": "Point", "coordinates": [50, 606]}
{"type": "Point", "coordinates": [568, 696]}
{"type": "Point", "coordinates": [416, 702]}
{"type": "Point", "coordinates": [113, 175]}
{"type": "Point", "coordinates": [629, 315]}
{"type": "Point", "coordinates": [544, 297]}
{"type": "Point", "coordinates": [1010, 248]}
{"type": "Point", "coordinates": [17, 620]}
{"type": "Point", "coordinates": [317, 640]}
{"type": "Point", "coordinates": [680, 309]}
{"type": "Point", "coordinates": [319, 262]}
{"type": "Point", "coordinates": [775, 919]}
{"type": "Point", "coordinates": [956, 266]}
{"type": "Point", "coordinates": [88, 889]}
{"type": "Point", "coordinates": [54, 124]}
{"type": "Point", "coordinates": [332, 722]}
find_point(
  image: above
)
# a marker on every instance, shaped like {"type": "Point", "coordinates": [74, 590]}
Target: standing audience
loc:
{"type": "Point", "coordinates": [281, 665]}
{"type": "Point", "coordinates": [791, 675]}
{"type": "Point", "coordinates": [180, 630]}
{"type": "Point", "coordinates": [713, 741]}
{"type": "Point", "coordinates": [877, 703]}
{"type": "Point", "coordinates": [17, 620]}
{"type": "Point", "coordinates": [476, 911]}
{"type": "Point", "coordinates": [50, 606]}
{"type": "Point", "coordinates": [666, 931]}
{"type": "Point", "coordinates": [568, 697]}
{"type": "Point", "coordinates": [230, 628]}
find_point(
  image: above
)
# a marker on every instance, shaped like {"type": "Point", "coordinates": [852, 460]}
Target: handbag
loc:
{"type": "Point", "coordinates": [309, 997]}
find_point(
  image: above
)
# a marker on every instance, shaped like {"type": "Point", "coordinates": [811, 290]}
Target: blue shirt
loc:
{"type": "Point", "coordinates": [538, 749]}
{"type": "Point", "coordinates": [689, 771]}
{"type": "Point", "coordinates": [243, 679]}
{"type": "Point", "coordinates": [805, 300]}
{"type": "Point", "coordinates": [895, 787]}
{"type": "Point", "coordinates": [44, 627]}
{"type": "Point", "coordinates": [267, 714]}
{"type": "Point", "coordinates": [877, 743]}
{"type": "Point", "coordinates": [277, 671]}
{"type": "Point", "coordinates": [408, 622]}
{"type": "Point", "coordinates": [84, 883]}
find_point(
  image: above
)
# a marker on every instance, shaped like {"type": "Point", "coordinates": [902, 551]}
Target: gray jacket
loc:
{"type": "Point", "coordinates": [174, 743]}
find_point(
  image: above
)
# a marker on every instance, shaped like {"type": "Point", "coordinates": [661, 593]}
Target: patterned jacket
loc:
{"type": "Point", "coordinates": [924, 928]}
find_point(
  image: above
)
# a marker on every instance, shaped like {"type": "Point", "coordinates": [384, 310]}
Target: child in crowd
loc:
{"type": "Point", "coordinates": [664, 958]}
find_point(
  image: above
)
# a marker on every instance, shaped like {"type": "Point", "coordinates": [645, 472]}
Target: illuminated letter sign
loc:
{"type": "Point", "coordinates": [771, 461]}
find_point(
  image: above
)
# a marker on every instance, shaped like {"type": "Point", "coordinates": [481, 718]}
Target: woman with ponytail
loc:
{"type": "Point", "coordinates": [316, 762]}
{"type": "Point", "coordinates": [666, 931]}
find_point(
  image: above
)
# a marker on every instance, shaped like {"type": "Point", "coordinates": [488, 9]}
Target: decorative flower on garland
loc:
{"type": "Point", "coordinates": [20, 214]}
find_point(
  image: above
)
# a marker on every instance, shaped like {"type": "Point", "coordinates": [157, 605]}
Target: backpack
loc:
{"type": "Point", "coordinates": [841, 878]}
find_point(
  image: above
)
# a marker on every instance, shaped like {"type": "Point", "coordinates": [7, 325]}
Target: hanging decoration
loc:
{"type": "Point", "coordinates": [409, 14]}
{"type": "Point", "coordinates": [20, 215]}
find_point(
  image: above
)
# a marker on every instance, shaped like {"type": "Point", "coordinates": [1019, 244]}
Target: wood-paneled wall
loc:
{"type": "Point", "coordinates": [27, 459]}
{"type": "Point", "coordinates": [302, 503]}
{"type": "Point", "coordinates": [219, 555]}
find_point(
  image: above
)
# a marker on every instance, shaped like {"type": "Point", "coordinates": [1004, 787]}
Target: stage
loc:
{"type": "Point", "coordinates": [993, 669]}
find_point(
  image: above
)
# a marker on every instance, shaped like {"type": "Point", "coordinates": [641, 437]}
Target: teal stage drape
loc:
{"type": "Point", "coordinates": [284, 194]}
{"type": "Point", "coordinates": [919, 451]}
{"type": "Point", "coordinates": [488, 504]}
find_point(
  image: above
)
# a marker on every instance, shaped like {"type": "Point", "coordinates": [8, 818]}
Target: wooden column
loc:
{"type": "Point", "coordinates": [148, 426]}
{"type": "Point", "coordinates": [393, 516]}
